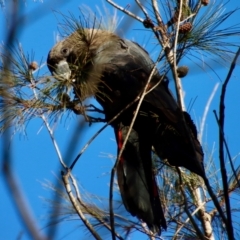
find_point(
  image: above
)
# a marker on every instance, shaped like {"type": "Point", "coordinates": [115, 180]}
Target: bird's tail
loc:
{"type": "Point", "coordinates": [136, 179]}
{"type": "Point", "coordinates": [179, 145]}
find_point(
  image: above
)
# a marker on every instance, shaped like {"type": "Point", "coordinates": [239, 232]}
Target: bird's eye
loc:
{"type": "Point", "coordinates": [65, 52]}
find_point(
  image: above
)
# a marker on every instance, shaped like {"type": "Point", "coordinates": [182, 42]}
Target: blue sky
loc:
{"type": "Point", "coordinates": [34, 158]}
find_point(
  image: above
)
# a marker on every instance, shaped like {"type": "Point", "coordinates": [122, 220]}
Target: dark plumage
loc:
{"type": "Point", "coordinates": [115, 71]}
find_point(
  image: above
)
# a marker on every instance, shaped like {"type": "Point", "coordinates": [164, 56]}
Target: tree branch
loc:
{"type": "Point", "coordinates": [65, 177]}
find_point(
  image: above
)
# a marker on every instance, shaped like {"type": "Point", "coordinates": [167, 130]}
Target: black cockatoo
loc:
{"type": "Point", "coordinates": [115, 71]}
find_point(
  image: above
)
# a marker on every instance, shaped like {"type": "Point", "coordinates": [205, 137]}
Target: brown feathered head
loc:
{"type": "Point", "coordinates": [77, 59]}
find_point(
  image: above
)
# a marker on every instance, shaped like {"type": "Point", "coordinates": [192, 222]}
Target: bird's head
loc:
{"type": "Point", "coordinates": [70, 55]}
{"type": "Point", "coordinates": [59, 58]}
{"type": "Point", "coordinates": [80, 60]}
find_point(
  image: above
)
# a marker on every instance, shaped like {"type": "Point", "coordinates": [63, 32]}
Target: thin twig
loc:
{"type": "Point", "coordinates": [198, 231]}
{"type": "Point", "coordinates": [147, 231]}
{"type": "Point", "coordinates": [142, 8]}
{"type": "Point", "coordinates": [76, 206]}
{"type": "Point", "coordinates": [221, 148]}
{"type": "Point", "coordinates": [154, 29]}
{"type": "Point", "coordinates": [192, 214]}
{"type": "Point", "coordinates": [74, 183]}
{"type": "Point", "coordinates": [130, 14]}
{"type": "Point", "coordinates": [177, 80]}
{"type": "Point", "coordinates": [53, 141]}
{"type": "Point", "coordinates": [156, 12]}
{"type": "Point", "coordinates": [47, 124]}
{"type": "Point", "coordinates": [164, 40]}
{"type": "Point", "coordinates": [224, 178]}
{"type": "Point", "coordinates": [215, 201]}
{"type": "Point", "coordinates": [227, 149]}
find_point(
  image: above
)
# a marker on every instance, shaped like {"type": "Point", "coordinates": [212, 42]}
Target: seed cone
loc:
{"type": "Point", "coordinates": [205, 2]}
{"type": "Point", "coordinates": [185, 28]}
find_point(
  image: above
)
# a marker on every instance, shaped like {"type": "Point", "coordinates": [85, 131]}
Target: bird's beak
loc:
{"type": "Point", "coordinates": [62, 70]}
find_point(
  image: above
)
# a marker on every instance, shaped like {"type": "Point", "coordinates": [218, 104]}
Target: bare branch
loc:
{"type": "Point", "coordinates": [130, 14]}
{"type": "Point", "coordinates": [177, 80]}
{"type": "Point", "coordinates": [221, 150]}
{"type": "Point", "coordinates": [156, 12]}
{"type": "Point", "coordinates": [198, 231]}
{"type": "Point", "coordinates": [75, 204]}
